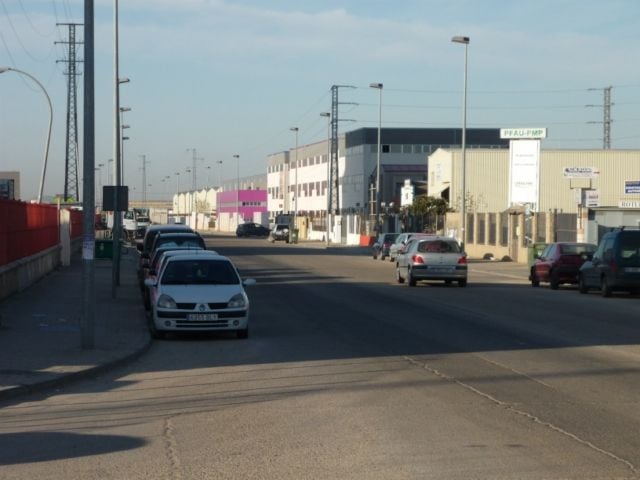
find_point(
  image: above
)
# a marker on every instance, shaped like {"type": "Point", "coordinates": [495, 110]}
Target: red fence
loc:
{"type": "Point", "coordinates": [29, 228]}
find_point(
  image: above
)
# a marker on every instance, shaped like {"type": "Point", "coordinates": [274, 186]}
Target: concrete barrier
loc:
{"type": "Point", "coordinates": [18, 275]}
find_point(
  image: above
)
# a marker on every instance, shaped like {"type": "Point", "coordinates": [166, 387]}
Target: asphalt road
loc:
{"type": "Point", "coordinates": [349, 375]}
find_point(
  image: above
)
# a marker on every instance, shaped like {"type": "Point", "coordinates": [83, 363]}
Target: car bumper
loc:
{"type": "Point", "coordinates": [439, 272]}
{"type": "Point", "coordinates": [173, 321]}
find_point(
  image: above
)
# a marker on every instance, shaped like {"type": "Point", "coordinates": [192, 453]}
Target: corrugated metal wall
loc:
{"type": "Point", "coordinates": [487, 177]}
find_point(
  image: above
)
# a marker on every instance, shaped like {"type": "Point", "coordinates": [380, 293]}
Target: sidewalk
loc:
{"type": "Point", "coordinates": [40, 336]}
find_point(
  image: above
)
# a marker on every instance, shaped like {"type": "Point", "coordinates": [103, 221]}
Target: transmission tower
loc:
{"type": "Point", "coordinates": [71, 191]}
{"type": "Point", "coordinates": [334, 180]}
{"type": "Point", "coordinates": [606, 121]}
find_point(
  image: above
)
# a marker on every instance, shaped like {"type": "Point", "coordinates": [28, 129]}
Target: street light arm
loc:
{"type": "Point", "coordinates": [48, 142]}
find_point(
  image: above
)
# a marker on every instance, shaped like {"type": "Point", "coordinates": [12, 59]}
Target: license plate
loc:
{"type": "Point", "coordinates": [440, 269]}
{"type": "Point", "coordinates": [632, 269]}
{"type": "Point", "coordinates": [202, 317]}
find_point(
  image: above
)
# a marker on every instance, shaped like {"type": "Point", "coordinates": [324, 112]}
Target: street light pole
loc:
{"type": "Point", "coordinates": [46, 146]}
{"type": "Point", "coordinates": [295, 193]}
{"type": "Point", "coordinates": [379, 87]}
{"type": "Point", "coordinates": [327, 115]}
{"type": "Point", "coordinates": [219, 162]}
{"type": "Point", "coordinates": [465, 42]}
{"type": "Point", "coordinates": [237, 157]}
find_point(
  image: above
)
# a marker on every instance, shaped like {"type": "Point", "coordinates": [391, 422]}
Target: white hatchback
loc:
{"type": "Point", "coordinates": [200, 291]}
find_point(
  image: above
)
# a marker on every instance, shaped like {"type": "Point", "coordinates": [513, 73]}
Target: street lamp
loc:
{"type": "Point", "coordinates": [295, 194]}
{"type": "Point", "coordinates": [379, 87]}
{"type": "Point", "coordinates": [327, 115]}
{"type": "Point", "coordinates": [237, 157]}
{"type": "Point", "coordinates": [46, 147]}
{"type": "Point", "coordinates": [219, 162]}
{"type": "Point", "coordinates": [465, 42]}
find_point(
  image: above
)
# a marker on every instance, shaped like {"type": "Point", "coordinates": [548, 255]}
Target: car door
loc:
{"type": "Point", "coordinates": [591, 274]}
{"type": "Point", "coordinates": [403, 258]}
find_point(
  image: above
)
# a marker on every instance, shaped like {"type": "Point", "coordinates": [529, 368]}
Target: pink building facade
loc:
{"type": "Point", "coordinates": [246, 202]}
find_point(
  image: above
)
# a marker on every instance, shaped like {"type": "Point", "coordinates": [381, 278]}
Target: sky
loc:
{"type": "Point", "coordinates": [231, 77]}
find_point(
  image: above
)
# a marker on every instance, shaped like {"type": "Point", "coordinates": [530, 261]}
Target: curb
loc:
{"type": "Point", "coordinates": [70, 378]}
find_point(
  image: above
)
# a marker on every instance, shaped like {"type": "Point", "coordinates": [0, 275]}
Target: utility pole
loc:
{"type": "Point", "coordinates": [144, 177]}
{"type": "Point", "coordinates": [71, 191]}
{"type": "Point", "coordinates": [87, 324]}
{"type": "Point", "coordinates": [334, 179]}
{"type": "Point", "coordinates": [606, 121]}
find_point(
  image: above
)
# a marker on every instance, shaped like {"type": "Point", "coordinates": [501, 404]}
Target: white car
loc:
{"type": "Point", "coordinates": [201, 291]}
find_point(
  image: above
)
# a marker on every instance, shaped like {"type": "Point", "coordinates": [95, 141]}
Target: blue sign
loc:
{"type": "Point", "coordinates": [631, 186]}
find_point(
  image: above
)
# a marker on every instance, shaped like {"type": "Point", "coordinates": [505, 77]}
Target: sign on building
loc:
{"type": "Point", "coordinates": [407, 194]}
{"type": "Point", "coordinates": [524, 168]}
{"type": "Point", "coordinates": [590, 198]}
{"type": "Point", "coordinates": [581, 172]}
{"type": "Point", "coordinates": [523, 133]}
{"type": "Point", "coordinates": [631, 187]}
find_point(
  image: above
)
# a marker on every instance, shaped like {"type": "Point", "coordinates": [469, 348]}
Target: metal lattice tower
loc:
{"type": "Point", "coordinates": [334, 171]}
{"type": "Point", "coordinates": [606, 120]}
{"type": "Point", "coordinates": [71, 191]}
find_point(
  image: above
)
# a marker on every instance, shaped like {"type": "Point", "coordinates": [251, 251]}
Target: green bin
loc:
{"type": "Point", "coordinates": [535, 249]}
{"type": "Point", "coordinates": [104, 248]}
{"type": "Point", "coordinates": [293, 235]}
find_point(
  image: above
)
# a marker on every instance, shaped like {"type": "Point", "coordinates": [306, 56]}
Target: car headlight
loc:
{"type": "Point", "coordinates": [165, 301]}
{"type": "Point", "coordinates": [237, 301]}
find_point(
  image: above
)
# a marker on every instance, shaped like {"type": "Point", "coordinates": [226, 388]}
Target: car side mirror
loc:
{"type": "Point", "coordinates": [150, 282]}
{"type": "Point", "coordinates": [249, 282]}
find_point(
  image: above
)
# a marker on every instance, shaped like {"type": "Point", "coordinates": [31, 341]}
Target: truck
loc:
{"type": "Point", "coordinates": [134, 223]}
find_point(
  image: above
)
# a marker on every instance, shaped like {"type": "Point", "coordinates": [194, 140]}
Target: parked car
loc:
{"type": "Point", "coordinates": [559, 263]}
{"type": "Point", "coordinates": [152, 231]}
{"type": "Point", "coordinates": [252, 230]}
{"type": "Point", "coordinates": [381, 246]}
{"type": "Point", "coordinates": [432, 258]}
{"type": "Point", "coordinates": [171, 239]}
{"type": "Point", "coordinates": [614, 266]}
{"type": "Point", "coordinates": [280, 231]}
{"type": "Point", "coordinates": [155, 264]}
{"type": "Point", "coordinates": [201, 291]}
{"type": "Point", "coordinates": [401, 241]}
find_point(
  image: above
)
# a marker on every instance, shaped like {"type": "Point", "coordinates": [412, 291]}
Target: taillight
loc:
{"type": "Point", "coordinates": [417, 259]}
{"type": "Point", "coordinates": [462, 260]}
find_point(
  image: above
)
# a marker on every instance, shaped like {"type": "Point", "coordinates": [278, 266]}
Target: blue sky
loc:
{"type": "Point", "coordinates": [232, 76]}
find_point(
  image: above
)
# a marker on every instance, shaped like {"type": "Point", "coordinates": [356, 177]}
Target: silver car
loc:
{"type": "Point", "coordinates": [400, 242]}
{"type": "Point", "coordinates": [432, 258]}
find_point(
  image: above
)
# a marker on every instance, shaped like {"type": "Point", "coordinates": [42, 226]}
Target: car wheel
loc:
{"type": "Point", "coordinates": [534, 279]}
{"type": "Point", "coordinates": [375, 257]}
{"type": "Point", "coordinates": [410, 280]}
{"type": "Point", "coordinates": [399, 278]}
{"type": "Point", "coordinates": [554, 281]}
{"type": "Point", "coordinates": [605, 288]}
{"type": "Point", "coordinates": [382, 257]}
{"type": "Point", "coordinates": [244, 333]}
{"type": "Point", "coordinates": [462, 283]}
{"type": "Point", "coordinates": [582, 286]}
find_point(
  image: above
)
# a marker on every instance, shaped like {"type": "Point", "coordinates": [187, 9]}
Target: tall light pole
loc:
{"type": "Point", "coordinates": [122, 110]}
{"type": "Point", "coordinates": [46, 145]}
{"type": "Point", "coordinates": [465, 42]}
{"type": "Point", "coordinates": [295, 181]}
{"type": "Point", "coordinates": [237, 157]}
{"type": "Point", "coordinates": [219, 162]}
{"type": "Point", "coordinates": [117, 173]}
{"type": "Point", "coordinates": [327, 115]}
{"type": "Point", "coordinates": [379, 87]}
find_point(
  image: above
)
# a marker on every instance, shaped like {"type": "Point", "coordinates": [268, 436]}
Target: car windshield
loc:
{"type": "Point", "coordinates": [200, 272]}
{"type": "Point", "coordinates": [438, 246]}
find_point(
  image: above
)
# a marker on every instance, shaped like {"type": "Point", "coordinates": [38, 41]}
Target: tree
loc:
{"type": "Point", "coordinates": [429, 209]}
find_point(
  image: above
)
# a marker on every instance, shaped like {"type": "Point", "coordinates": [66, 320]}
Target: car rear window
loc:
{"type": "Point", "coordinates": [439, 246]}
{"type": "Point", "coordinates": [200, 272]}
{"type": "Point", "coordinates": [630, 248]}
{"type": "Point", "coordinates": [577, 249]}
